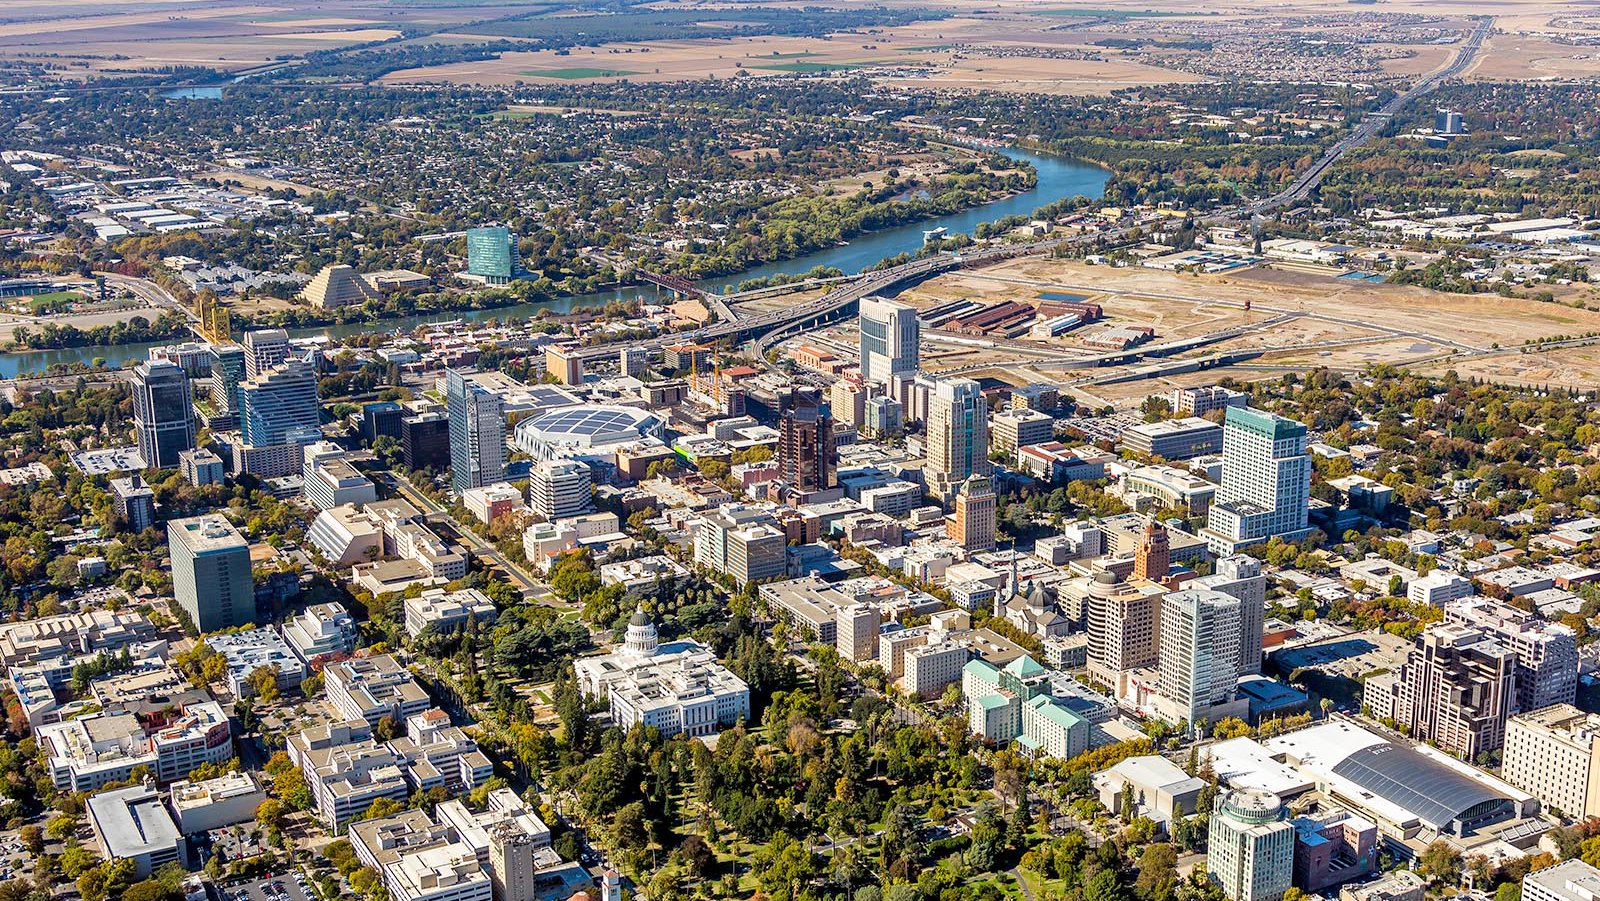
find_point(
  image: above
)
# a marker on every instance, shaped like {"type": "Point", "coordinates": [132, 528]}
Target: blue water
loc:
{"type": "Point", "coordinates": [1059, 178]}
{"type": "Point", "coordinates": [194, 94]}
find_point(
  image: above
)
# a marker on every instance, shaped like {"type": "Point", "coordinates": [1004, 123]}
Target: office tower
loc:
{"type": "Point", "coordinates": [337, 286]}
{"type": "Point", "coordinates": [279, 415]}
{"type": "Point", "coordinates": [163, 417]}
{"type": "Point", "coordinates": [134, 502]}
{"type": "Point", "coordinates": [227, 372]}
{"type": "Point", "coordinates": [1447, 122]}
{"type": "Point", "coordinates": [477, 433]}
{"type": "Point", "coordinates": [1455, 691]}
{"type": "Point", "coordinates": [491, 255]}
{"type": "Point", "coordinates": [633, 361]}
{"type": "Point", "coordinates": [1124, 628]}
{"type": "Point", "coordinates": [264, 349]}
{"type": "Point", "coordinates": [1553, 754]}
{"type": "Point", "coordinates": [1250, 851]}
{"type": "Point", "coordinates": [1014, 428]}
{"type": "Point", "coordinates": [889, 337]}
{"type": "Point", "coordinates": [1153, 559]}
{"type": "Point", "coordinates": [958, 435]}
{"type": "Point", "coordinates": [972, 524]}
{"type": "Point", "coordinates": [1240, 577]}
{"type": "Point", "coordinates": [807, 459]}
{"type": "Point", "coordinates": [511, 863]}
{"type": "Point", "coordinates": [381, 419]}
{"type": "Point", "coordinates": [201, 467]}
{"type": "Point", "coordinates": [1547, 653]}
{"type": "Point", "coordinates": [848, 401]}
{"type": "Point", "coordinates": [211, 572]}
{"type": "Point", "coordinates": [741, 542]}
{"type": "Point", "coordinates": [1266, 482]}
{"type": "Point", "coordinates": [558, 489]}
{"type": "Point", "coordinates": [1199, 656]}
{"type": "Point", "coordinates": [855, 631]}
{"type": "Point", "coordinates": [885, 418]}
{"type": "Point", "coordinates": [564, 364]}
{"type": "Point", "coordinates": [1202, 400]}
{"type": "Point", "coordinates": [425, 441]}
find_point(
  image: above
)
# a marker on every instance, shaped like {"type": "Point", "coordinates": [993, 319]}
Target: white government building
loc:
{"type": "Point", "coordinates": [678, 687]}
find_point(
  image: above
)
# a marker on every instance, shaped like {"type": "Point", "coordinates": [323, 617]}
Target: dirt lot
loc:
{"type": "Point", "coordinates": [1573, 367]}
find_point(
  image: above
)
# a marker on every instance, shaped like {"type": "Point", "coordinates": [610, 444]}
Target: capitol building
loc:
{"type": "Point", "coordinates": [677, 686]}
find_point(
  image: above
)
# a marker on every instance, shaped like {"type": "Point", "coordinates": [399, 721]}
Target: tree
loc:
{"type": "Point", "coordinates": [264, 682]}
{"type": "Point", "coordinates": [269, 814]}
{"type": "Point", "coordinates": [383, 807]}
{"type": "Point", "coordinates": [1440, 863]}
{"type": "Point", "coordinates": [1103, 886]}
{"type": "Point", "coordinates": [699, 858]}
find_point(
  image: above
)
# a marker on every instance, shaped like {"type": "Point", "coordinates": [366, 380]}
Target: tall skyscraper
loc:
{"type": "Point", "coordinates": [491, 255]}
{"type": "Point", "coordinates": [1250, 850]}
{"type": "Point", "coordinates": [1153, 558]}
{"type": "Point", "coordinates": [807, 459]}
{"type": "Point", "coordinates": [163, 415]}
{"type": "Point", "coordinates": [279, 415]}
{"type": "Point", "coordinates": [211, 572]}
{"type": "Point", "coordinates": [1240, 577]}
{"type": "Point", "coordinates": [972, 525]}
{"type": "Point", "coordinates": [889, 339]}
{"type": "Point", "coordinates": [1456, 691]}
{"type": "Point", "coordinates": [227, 372]}
{"type": "Point", "coordinates": [1266, 482]}
{"type": "Point", "coordinates": [1199, 657]}
{"type": "Point", "coordinates": [1547, 652]}
{"type": "Point", "coordinates": [558, 489]}
{"type": "Point", "coordinates": [1124, 628]}
{"type": "Point", "coordinates": [958, 435]}
{"type": "Point", "coordinates": [477, 433]}
{"type": "Point", "coordinates": [264, 349]}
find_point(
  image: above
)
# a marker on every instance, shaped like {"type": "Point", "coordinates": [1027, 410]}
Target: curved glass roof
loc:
{"type": "Point", "coordinates": [590, 421]}
{"type": "Point", "coordinates": [1434, 792]}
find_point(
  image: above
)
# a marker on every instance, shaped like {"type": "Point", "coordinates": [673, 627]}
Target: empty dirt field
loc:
{"type": "Point", "coordinates": [1569, 367]}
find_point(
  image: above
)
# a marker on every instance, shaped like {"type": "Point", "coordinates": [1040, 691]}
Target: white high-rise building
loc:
{"type": "Point", "coordinates": [558, 489]}
{"type": "Point", "coordinates": [477, 433]}
{"type": "Point", "coordinates": [1250, 852]}
{"type": "Point", "coordinates": [890, 334]}
{"type": "Point", "coordinates": [1547, 653]}
{"type": "Point", "coordinates": [1266, 482]}
{"type": "Point", "coordinates": [1554, 754]}
{"type": "Point", "coordinates": [1199, 656]}
{"type": "Point", "coordinates": [1240, 576]}
{"type": "Point", "coordinates": [958, 435]}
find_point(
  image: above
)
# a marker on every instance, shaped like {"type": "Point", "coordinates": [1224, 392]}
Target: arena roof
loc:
{"type": "Point", "coordinates": [1437, 794]}
{"type": "Point", "coordinates": [578, 428]}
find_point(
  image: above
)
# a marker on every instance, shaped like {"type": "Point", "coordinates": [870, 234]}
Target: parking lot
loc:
{"type": "Point", "coordinates": [283, 887]}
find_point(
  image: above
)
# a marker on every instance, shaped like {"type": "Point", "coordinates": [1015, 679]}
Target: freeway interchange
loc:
{"type": "Point", "coordinates": [765, 328]}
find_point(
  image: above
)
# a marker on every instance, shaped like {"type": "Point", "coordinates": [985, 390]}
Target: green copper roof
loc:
{"type": "Point", "coordinates": [1047, 707]}
{"type": "Point", "coordinates": [1267, 425]}
{"type": "Point", "coordinates": [1025, 667]}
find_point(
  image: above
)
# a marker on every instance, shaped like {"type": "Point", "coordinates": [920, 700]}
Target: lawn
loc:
{"type": "Point", "coordinates": [576, 72]}
{"type": "Point", "coordinates": [55, 300]}
{"type": "Point", "coordinates": [809, 67]}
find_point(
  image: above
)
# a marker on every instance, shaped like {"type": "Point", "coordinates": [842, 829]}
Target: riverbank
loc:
{"type": "Point", "coordinates": [1057, 178]}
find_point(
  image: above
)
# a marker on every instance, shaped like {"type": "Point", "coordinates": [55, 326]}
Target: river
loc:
{"type": "Point", "coordinates": [1058, 178]}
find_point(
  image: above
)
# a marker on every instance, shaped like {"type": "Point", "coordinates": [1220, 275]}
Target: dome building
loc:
{"type": "Point", "coordinates": [675, 686]}
{"type": "Point", "coordinates": [584, 430]}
